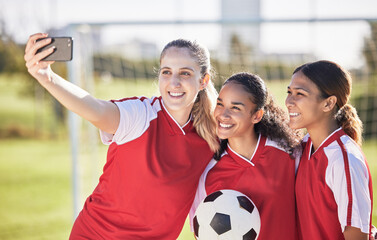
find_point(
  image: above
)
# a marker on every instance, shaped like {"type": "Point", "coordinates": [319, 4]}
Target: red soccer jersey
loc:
{"type": "Point", "coordinates": [333, 188]}
{"type": "Point", "coordinates": [150, 177]}
{"type": "Point", "coordinates": [267, 179]}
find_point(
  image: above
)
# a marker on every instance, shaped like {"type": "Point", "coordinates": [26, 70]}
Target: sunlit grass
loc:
{"type": "Point", "coordinates": [35, 186]}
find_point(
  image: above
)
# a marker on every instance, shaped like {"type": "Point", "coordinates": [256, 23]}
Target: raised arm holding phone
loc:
{"type": "Point", "coordinates": [158, 147]}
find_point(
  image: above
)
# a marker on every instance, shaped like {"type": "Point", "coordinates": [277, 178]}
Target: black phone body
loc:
{"type": "Point", "coordinates": [63, 49]}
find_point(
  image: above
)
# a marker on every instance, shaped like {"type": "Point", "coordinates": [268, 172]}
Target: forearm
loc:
{"type": "Point", "coordinates": [102, 114]}
{"type": "Point", "coordinates": [71, 96]}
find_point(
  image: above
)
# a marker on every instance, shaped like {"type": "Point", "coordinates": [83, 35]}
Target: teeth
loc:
{"type": "Point", "coordinates": [225, 125]}
{"type": "Point", "coordinates": [294, 114]}
{"type": "Point", "coordinates": [176, 94]}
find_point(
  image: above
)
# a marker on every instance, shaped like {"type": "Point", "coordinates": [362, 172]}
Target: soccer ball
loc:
{"type": "Point", "coordinates": [226, 214]}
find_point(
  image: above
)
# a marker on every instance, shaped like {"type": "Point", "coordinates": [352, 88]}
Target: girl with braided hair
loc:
{"type": "Point", "coordinates": [333, 183]}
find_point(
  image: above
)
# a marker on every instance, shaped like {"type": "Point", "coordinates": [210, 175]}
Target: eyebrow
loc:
{"type": "Point", "coordinates": [233, 103]}
{"type": "Point", "coordinates": [183, 68]}
{"type": "Point", "coordinates": [298, 88]}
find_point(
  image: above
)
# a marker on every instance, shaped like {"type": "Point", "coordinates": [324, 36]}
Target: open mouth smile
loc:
{"type": "Point", "coordinates": [223, 125]}
{"type": "Point", "coordinates": [293, 114]}
{"type": "Point", "coordinates": [176, 94]}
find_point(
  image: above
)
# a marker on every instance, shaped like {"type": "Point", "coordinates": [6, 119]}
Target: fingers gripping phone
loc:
{"type": "Point", "coordinates": [63, 49]}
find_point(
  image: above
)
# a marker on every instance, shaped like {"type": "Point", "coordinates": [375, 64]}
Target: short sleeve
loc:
{"type": "Point", "coordinates": [353, 194]}
{"type": "Point", "coordinates": [135, 117]}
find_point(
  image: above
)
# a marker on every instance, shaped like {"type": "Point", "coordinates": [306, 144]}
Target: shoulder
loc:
{"type": "Point", "coordinates": [345, 152]}
{"type": "Point", "coordinates": [353, 150]}
{"type": "Point", "coordinates": [140, 101]}
{"type": "Point", "coordinates": [276, 145]}
{"type": "Point", "coordinates": [354, 154]}
{"type": "Point", "coordinates": [136, 114]}
{"type": "Point", "coordinates": [305, 139]}
{"type": "Point", "coordinates": [139, 107]}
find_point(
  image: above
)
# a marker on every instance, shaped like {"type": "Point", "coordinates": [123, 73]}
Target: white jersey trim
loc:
{"type": "Point", "coordinates": [336, 180]}
{"type": "Point", "coordinates": [274, 144]}
{"type": "Point", "coordinates": [175, 120]}
{"type": "Point", "coordinates": [311, 145]}
{"type": "Point", "coordinates": [245, 159]}
{"type": "Point", "coordinates": [135, 117]}
{"type": "Point", "coordinates": [200, 191]}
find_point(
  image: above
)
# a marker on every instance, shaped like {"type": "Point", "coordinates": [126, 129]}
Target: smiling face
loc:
{"type": "Point", "coordinates": [234, 112]}
{"type": "Point", "coordinates": [179, 81]}
{"type": "Point", "coordinates": [304, 103]}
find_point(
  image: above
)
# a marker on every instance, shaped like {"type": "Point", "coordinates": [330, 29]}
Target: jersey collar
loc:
{"type": "Point", "coordinates": [175, 127]}
{"type": "Point", "coordinates": [254, 158]}
{"type": "Point", "coordinates": [331, 138]}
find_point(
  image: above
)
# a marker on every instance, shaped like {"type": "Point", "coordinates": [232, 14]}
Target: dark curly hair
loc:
{"type": "Point", "coordinates": [274, 123]}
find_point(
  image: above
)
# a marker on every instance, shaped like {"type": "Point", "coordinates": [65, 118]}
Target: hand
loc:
{"type": "Point", "coordinates": [353, 233]}
{"type": "Point", "coordinates": [373, 234]}
{"type": "Point", "coordinates": [38, 69]}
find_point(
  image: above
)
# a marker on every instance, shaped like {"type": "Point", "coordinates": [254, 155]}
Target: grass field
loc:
{"type": "Point", "coordinates": [35, 172]}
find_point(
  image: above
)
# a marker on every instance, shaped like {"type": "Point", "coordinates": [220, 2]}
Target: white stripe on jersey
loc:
{"type": "Point", "coordinates": [274, 144]}
{"type": "Point", "coordinates": [200, 191]}
{"type": "Point", "coordinates": [337, 182]}
{"type": "Point", "coordinates": [135, 117]}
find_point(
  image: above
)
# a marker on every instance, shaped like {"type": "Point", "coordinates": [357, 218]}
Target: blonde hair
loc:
{"type": "Point", "coordinates": [202, 111]}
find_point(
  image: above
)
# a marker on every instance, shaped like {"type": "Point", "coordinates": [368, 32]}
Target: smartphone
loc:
{"type": "Point", "coordinates": [63, 49]}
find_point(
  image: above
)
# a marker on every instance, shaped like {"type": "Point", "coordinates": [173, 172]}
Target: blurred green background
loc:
{"type": "Point", "coordinates": [35, 158]}
{"type": "Point", "coordinates": [36, 199]}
